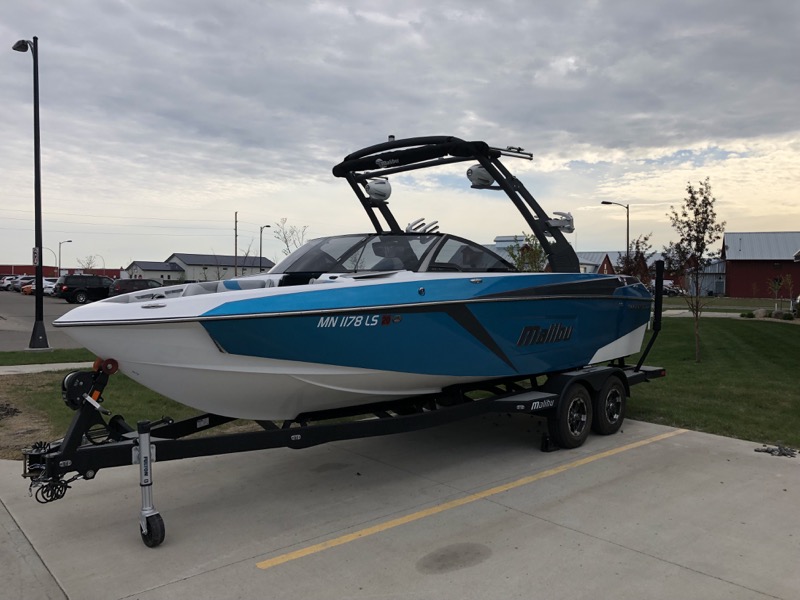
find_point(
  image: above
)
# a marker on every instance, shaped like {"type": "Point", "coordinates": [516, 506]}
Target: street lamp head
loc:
{"type": "Point", "coordinates": [606, 202]}
{"type": "Point", "coordinates": [21, 46]}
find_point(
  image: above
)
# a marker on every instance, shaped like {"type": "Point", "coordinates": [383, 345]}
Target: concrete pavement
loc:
{"type": "Point", "coordinates": [468, 510]}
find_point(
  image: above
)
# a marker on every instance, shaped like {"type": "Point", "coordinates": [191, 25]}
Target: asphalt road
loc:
{"type": "Point", "coordinates": [17, 316]}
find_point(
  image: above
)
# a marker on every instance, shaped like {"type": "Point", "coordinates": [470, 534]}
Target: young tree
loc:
{"type": "Point", "coordinates": [775, 285]}
{"type": "Point", "coordinates": [697, 228]}
{"type": "Point", "coordinates": [635, 261]}
{"type": "Point", "coordinates": [291, 236]}
{"type": "Point", "coordinates": [529, 255]}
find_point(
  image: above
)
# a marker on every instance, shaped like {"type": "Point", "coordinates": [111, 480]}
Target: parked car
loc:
{"type": "Point", "coordinates": [82, 288]}
{"type": "Point", "coordinates": [20, 281]}
{"type": "Point", "coordinates": [47, 286]}
{"type": "Point", "coordinates": [673, 290]}
{"type": "Point", "coordinates": [7, 281]}
{"type": "Point", "coordinates": [123, 286]}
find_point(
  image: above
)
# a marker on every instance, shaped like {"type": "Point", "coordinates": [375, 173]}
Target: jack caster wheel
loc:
{"type": "Point", "coordinates": [155, 531]}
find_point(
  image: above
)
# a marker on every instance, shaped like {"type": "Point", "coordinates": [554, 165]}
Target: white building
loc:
{"type": "Point", "coordinates": [181, 267]}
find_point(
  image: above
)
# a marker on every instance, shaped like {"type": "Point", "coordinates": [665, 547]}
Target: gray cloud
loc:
{"type": "Point", "coordinates": [141, 98]}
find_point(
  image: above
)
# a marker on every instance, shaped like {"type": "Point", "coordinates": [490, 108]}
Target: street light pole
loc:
{"type": "Point", "coordinates": [59, 254]}
{"type": "Point", "coordinates": [39, 335]}
{"type": "Point", "coordinates": [260, 246]}
{"type": "Point", "coordinates": [51, 252]}
{"type": "Point", "coordinates": [627, 228]}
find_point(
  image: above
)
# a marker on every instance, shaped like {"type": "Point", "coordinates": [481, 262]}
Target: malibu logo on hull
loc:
{"type": "Point", "coordinates": [533, 334]}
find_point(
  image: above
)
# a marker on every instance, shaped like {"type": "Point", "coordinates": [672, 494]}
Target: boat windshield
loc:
{"type": "Point", "coordinates": [391, 252]}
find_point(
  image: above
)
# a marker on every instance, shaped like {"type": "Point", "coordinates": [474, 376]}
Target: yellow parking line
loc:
{"type": "Point", "coordinates": [357, 535]}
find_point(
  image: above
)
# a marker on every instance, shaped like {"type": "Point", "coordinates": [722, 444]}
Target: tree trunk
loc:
{"type": "Point", "coordinates": [697, 337]}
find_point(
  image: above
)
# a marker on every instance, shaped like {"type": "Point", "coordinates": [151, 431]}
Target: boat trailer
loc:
{"type": "Point", "coordinates": [573, 403]}
{"type": "Point", "coordinates": [96, 440]}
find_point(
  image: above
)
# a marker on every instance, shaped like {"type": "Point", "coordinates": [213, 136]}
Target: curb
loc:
{"type": "Point", "coordinates": [22, 369]}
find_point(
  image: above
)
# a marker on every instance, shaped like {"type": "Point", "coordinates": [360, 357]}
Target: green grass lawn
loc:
{"type": "Point", "coordinates": [746, 385]}
{"type": "Point", "coordinates": [42, 391]}
{"type": "Point", "coordinates": [45, 357]}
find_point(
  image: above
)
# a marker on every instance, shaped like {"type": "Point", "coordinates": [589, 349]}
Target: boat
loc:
{"type": "Point", "coordinates": [356, 319]}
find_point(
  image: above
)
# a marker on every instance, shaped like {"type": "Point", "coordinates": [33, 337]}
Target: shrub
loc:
{"type": "Point", "coordinates": [777, 314]}
{"type": "Point", "coordinates": [747, 315]}
{"type": "Point", "coordinates": [788, 317]}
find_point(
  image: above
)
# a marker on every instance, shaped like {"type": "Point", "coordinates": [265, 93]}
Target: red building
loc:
{"type": "Point", "coordinates": [753, 260]}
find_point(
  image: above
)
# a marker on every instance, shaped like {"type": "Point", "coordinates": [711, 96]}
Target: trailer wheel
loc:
{"type": "Point", "coordinates": [609, 407]}
{"type": "Point", "coordinates": [570, 426]}
{"type": "Point", "coordinates": [155, 531]}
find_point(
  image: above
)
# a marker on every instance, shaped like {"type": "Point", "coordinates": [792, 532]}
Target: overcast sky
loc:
{"type": "Point", "coordinates": [160, 120]}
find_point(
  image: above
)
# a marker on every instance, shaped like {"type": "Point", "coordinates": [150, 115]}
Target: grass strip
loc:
{"type": "Point", "coordinates": [45, 357]}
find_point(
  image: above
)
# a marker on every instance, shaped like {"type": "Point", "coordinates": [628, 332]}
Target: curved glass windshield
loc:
{"type": "Point", "coordinates": [390, 252]}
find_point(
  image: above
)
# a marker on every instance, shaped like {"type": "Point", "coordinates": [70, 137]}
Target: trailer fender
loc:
{"type": "Point", "coordinates": [594, 378]}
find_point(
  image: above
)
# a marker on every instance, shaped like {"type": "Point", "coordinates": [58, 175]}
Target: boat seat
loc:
{"type": "Point", "coordinates": [195, 289]}
{"type": "Point", "coordinates": [390, 263]}
{"type": "Point", "coordinates": [227, 285]}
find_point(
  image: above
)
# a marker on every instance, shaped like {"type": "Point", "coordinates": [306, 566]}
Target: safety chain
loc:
{"type": "Point", "coordinates": [778, 450]}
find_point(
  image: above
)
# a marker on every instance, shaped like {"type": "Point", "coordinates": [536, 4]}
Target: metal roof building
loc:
{"type": "Point", "coordinates": [775, 245]}
{"type": "Point", "coordinates": [198, 267]}
{"type": "Point", "coordinates": [755, 259]}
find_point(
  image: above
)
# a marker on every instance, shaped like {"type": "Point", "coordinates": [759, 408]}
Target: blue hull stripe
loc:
{"type": "Point", "coordinates": [451, 339]}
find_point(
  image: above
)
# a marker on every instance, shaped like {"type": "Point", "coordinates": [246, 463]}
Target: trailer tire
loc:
{"type": "Point", "coordinates": [609, 406]}
{"type": "Point", "coordinates": [569, 426]}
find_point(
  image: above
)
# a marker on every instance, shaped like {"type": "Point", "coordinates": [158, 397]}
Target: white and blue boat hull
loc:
{"type": "Point", "coordinates": [275, 352]}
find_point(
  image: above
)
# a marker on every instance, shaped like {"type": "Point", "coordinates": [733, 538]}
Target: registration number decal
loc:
{"type": "Point", "coordinates": [341, 321]}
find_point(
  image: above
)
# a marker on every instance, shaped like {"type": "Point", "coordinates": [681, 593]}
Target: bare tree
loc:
{"type": "Point", "coordinates": [529, 255]}
{"type": "Point", "coordinates": [635, 261]}
{"type": "Point", "coordinates": [215, 268]}
{"type": "Point", "coordinates": [88, 263]}
{"type": "Point", "coordinates": [291, 236]}
{"type": "Point", "coordinates": [245, 255]}
{"type": "Point", "coordinates": [697, 229]}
